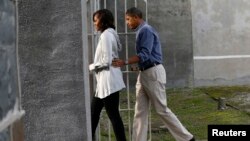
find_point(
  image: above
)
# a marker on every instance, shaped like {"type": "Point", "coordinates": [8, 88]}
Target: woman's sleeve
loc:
{"type": "Point", "coordinates": [106, 44]}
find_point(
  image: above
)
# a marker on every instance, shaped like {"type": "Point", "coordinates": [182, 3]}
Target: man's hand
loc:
{"type": "Point", "coordinates": [118, 62]}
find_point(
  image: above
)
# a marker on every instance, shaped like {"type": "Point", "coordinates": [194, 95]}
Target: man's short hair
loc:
{"type": "Point", "coordinates": [133, 12]}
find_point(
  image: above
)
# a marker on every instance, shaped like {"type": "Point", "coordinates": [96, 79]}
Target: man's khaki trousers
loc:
{"type": "Point", "coordinates": [150, 88]}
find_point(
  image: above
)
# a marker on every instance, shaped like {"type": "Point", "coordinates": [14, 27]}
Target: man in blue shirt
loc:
{"type": "Point", "coordinates": [151, 81]}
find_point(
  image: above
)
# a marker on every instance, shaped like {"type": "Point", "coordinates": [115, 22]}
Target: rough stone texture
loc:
{"type": "Point", "coordinates": [8, 65]}
{"type": "Point", "coordinates": [51, 67]}
{"type": "Point", "coordinates": [221, 28]}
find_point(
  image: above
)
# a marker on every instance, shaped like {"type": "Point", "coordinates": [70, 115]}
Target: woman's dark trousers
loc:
{"type": "Point", "coordinates": [111, 104]}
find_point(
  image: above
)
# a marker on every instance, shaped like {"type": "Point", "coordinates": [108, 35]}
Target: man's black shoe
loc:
{"type": "Point", "coordinates": [193, 139]}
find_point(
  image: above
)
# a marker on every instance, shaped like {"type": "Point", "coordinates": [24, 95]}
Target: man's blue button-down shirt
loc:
{"type": "Point", "coordinates": [148, 46]}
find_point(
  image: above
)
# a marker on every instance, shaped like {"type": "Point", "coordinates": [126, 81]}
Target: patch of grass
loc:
{"type": "Point", "coordinates": [196, 108]}
{"type": "Point", "coordinates": [236, 96]}
{"type": "Point", "coordinates": [224, 91]}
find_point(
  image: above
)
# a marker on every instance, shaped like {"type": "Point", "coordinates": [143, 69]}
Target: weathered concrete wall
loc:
{"type": "Point", "coordinates": [53, 70]}
{"type": "Point", "coordinates": [221, 30]}
{"type": "Point", "coordinates": [172, 19]}
{"type": "Point", "coordinates": [8, 64]}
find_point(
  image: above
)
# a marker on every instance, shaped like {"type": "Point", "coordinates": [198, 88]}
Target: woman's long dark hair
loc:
{"type": "Point", "coordinates": [106, 19]}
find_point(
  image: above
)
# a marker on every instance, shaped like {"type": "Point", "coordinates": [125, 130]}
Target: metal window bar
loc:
{"type": "Point", "coordinates": [127, 80]}
{"type": "Point", "coordinates": [95, 5]}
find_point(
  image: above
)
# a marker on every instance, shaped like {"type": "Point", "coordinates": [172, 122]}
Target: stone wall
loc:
{"type": "Point", "coordinates": [53, 70]}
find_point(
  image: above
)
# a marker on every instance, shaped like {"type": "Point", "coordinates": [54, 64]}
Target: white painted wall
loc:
{"type": "Point", "coordinates": [221, 33]}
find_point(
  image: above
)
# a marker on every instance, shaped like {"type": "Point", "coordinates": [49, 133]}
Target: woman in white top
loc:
{"type": "Point", "coordinates": [109, 78]}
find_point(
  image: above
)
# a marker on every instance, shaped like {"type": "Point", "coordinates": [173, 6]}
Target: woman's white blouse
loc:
{"type": "Point", "coordinates": [111, 80]}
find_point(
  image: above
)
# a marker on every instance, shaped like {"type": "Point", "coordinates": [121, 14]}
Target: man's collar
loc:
{"type": "Point", "coordinates": [141, 25]}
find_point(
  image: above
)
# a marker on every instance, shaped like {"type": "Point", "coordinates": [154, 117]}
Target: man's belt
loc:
{"type": "Point", "coordinates": [149, 66]}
